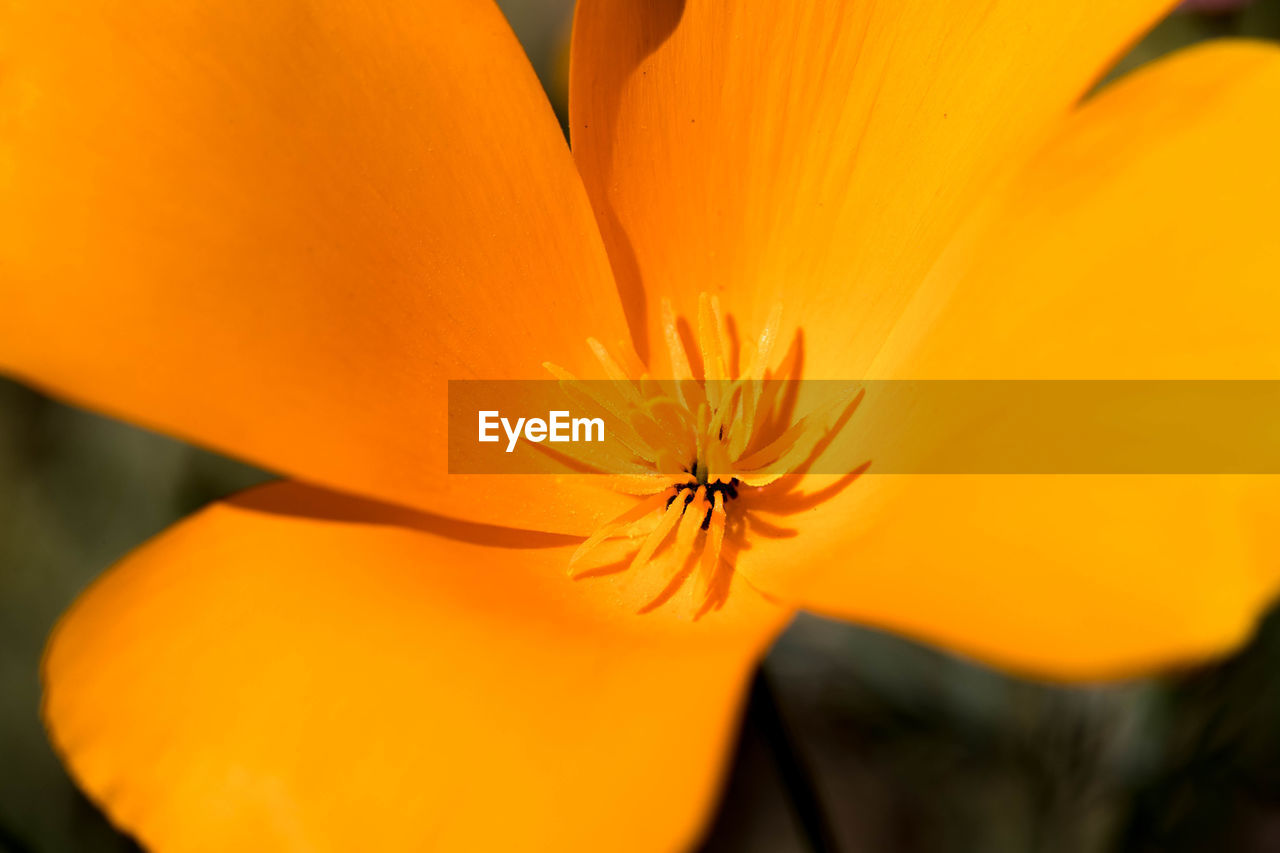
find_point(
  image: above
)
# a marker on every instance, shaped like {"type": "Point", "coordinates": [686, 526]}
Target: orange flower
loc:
{"type": "Point", "coordinates": [278, 229]}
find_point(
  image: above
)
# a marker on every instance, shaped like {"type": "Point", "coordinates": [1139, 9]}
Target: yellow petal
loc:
{"type": "Point", "coordinates": [1140, 243]}
{"type": "Point", "coordinates": [296, 671]}
{"type": "Point", "coordinates": [277, 229]}
{"type": "Point", "coordinates": [817, 154]}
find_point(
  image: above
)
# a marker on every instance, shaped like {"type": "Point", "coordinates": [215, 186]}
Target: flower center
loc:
{"type": "Point", "coordinates": [689, 492]}
{"type": "Point", "coordinates": [733, 421]}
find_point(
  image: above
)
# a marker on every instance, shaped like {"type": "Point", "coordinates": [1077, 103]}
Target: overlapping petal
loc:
{"type": "Point", "coordinates": [814, 154]}
{"type": "Point", "coordinates": [1139, 243]}
{"type": "Point", "coordinates": [297, 671]}
{"type": "Point", "coordinates": [277, 229]}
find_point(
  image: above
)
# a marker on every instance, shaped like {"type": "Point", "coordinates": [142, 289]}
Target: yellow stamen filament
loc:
{"type": "Point", "coordinates": [680, 369]}
{"type": "Point", "coordinates": [692, 521]}
{"type": "Point", "coordinates": [631, 516]}
{"type": "Point", "coordinates": [713, 366]}
{"type": "Point", "coordinates": [648, 484]}
{"type": "Point", "coordinates": [651, 542]}
{"type": "Point", "coordinates": [711, 551]}
{"type": "Point", "coordinates": [695, 443]}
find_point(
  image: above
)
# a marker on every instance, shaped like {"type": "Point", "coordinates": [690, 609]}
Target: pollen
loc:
{"type": "Point", "coordinates": [698, 444]}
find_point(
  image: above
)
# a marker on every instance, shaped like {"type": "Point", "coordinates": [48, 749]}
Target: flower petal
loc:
{"type": "Point", "coordinates": [296, 671]}
{"type": "Point", "coordinates": [277, 229]}
{"type": "Point", "coordinates": [1079, 577]}
{"type": "Point", "coordinates": [1140, 243]}
{"type": "Point", "coordinates": [814, 154]}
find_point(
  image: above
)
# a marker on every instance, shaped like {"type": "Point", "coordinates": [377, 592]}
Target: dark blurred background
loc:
{"type": "Point", "coordinates": [853, 740]}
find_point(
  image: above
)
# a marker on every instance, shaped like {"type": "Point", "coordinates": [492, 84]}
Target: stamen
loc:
{"type": "Point", "coordinates": [691, 523]}
{"type": "Point", "coordinates": [649, 484]}
{"type": "Point", "coordinates": [695, 446]}
{"type": "Point", "coordinates": [768, 335]}
{"type": "Point", "coordinates": [751, 391]}
{"type": "Point", "coordinates": [713, 363]}
{"type": "Point", "coordinates": [631, 516]}
{"type": "Point", "coordinates": [714, 526]}
{"type": "Point", "coordinates": [680, 369]}
{"type": "Point", "coordinates": [800, 437]}
{"type": "Point", "coordinates": [670, 516]}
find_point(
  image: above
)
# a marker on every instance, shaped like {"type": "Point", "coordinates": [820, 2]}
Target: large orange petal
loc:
{"type": "Point", "coordinates": [1140, 243]}
{"type": "Point", "coordinates": [814, 154]}
{"type": "Point", "coordinates": [295, 671]}
{"type": "Point", "coordinates": [277, 229]}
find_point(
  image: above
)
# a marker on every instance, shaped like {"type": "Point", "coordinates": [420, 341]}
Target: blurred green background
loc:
{"type": "Point", "coordinates": [853, 740]}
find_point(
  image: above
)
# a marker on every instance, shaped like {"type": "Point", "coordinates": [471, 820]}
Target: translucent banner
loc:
{"type": "Point", "coordinates": [775, 427]}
